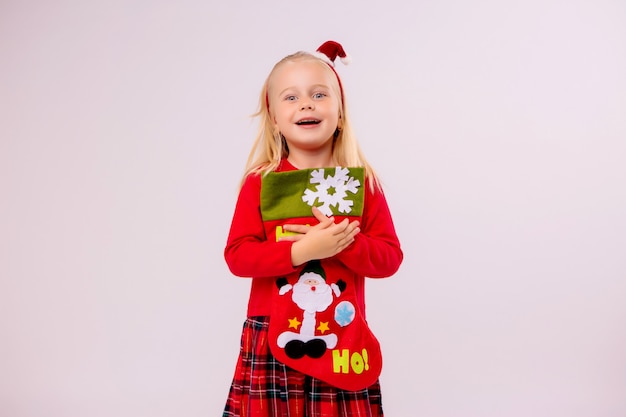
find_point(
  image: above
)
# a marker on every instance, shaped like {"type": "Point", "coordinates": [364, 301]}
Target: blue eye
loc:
{"type": "Point", "coordinates": [319, 95]}
{"type": "Point", "coordinates": [290, 98]}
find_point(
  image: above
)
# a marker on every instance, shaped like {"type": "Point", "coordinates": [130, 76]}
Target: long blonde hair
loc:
{"type": "Point", "coordinates": [269, 148]}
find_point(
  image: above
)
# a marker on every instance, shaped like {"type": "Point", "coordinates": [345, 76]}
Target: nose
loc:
{"type": "Point", "coordinates": [307, 105]}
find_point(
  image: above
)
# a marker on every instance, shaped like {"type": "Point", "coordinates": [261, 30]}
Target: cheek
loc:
{"type": "Point", "coordinates": [279, 122]}
{"type": "Point", "coordinates": [280, 115]}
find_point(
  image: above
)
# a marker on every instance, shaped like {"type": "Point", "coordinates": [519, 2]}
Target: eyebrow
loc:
{"type": "Point", "coordinates": [314, 86]}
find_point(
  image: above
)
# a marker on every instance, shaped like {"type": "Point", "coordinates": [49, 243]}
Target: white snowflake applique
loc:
{"type": "Point", "coordinates": [331, 191]}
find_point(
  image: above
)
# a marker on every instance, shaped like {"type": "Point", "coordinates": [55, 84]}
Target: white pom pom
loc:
{"type": "Point", "coordinates": [346, 59]}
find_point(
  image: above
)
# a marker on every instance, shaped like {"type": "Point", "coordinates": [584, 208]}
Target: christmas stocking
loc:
{"type": "Point", "coordinates": [316, 326]}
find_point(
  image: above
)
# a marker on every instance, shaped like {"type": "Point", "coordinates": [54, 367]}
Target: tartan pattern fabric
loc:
{"type": "Point", "coordinates": [264, 387]}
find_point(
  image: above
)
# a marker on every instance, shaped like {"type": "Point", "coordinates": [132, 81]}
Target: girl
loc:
{"type": "Point", "coordinates": [311, 221]}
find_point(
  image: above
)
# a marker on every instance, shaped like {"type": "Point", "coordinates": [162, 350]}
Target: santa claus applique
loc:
{"type": "Point", "coordinates": [316, 326]}
{"type": "Point", "coordinates": [312, 295]}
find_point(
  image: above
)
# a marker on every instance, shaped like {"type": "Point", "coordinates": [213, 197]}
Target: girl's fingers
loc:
{"type": "Point", "coordinates": [321, 217]}
{"type": "Point", "coordinates": [297, 228]}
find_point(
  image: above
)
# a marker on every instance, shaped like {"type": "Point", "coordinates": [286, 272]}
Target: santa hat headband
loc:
{"type": "Point", "coordinates": [331, 50]}
{"type": "Point", "coordinates": [328, 52]}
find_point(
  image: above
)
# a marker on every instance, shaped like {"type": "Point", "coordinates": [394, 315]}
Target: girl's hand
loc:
{"type": "Point", "coordinates": [321, 241]}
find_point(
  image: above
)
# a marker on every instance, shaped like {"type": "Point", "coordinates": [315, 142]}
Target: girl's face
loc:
{"type": "Point", "coordinates": [305, 108]}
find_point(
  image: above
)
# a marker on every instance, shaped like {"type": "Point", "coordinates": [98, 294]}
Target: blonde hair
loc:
{"type": "Point", "coordinates": [269, 147]}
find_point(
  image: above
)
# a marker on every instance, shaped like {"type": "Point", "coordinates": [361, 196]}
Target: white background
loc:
{"type": "Point", "coordinates": [498, 127]}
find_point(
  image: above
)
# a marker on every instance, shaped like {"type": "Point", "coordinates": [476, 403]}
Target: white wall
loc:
{"type": "Point", "coordinates": [498, 127]}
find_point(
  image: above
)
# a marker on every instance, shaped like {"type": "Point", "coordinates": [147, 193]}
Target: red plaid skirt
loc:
{"type": "Point", "coordinates": [264, 387]}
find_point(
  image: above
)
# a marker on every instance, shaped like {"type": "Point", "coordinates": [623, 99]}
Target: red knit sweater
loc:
{"type": "Point", "coordinates": [375, 253]}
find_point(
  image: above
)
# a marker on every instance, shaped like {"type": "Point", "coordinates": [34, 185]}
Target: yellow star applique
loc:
{"type": "Point", "coordinates": [323, 327]}
{"type": "Point", "coordinates": [294, 323]}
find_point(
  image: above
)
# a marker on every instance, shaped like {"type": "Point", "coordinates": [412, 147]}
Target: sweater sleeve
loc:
{"type": "Point", "coordinates": [248, 253]}
{"type": "Point", "coordinates": [376, 251]}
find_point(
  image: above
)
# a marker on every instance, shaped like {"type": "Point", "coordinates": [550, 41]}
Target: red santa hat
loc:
{"type": "Point", "coordinates": [330, 50]}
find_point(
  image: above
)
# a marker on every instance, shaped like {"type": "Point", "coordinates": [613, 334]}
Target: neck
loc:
{"type": "Point", "coordinates": [306, 160]}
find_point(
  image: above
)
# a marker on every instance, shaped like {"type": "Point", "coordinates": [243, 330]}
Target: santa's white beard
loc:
{"type": "Point", "coordinates": [309, 300]}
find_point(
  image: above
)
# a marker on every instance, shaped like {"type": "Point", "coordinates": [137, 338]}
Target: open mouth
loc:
{"type": "Point", "coordinates": [306, 122]}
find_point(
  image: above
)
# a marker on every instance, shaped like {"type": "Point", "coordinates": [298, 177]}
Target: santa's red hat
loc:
{"type": "Point", "coordinates": [330, 50]}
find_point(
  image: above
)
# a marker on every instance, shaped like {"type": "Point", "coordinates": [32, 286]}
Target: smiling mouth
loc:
{"type": "Point", "coordinates": [306, 122]}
